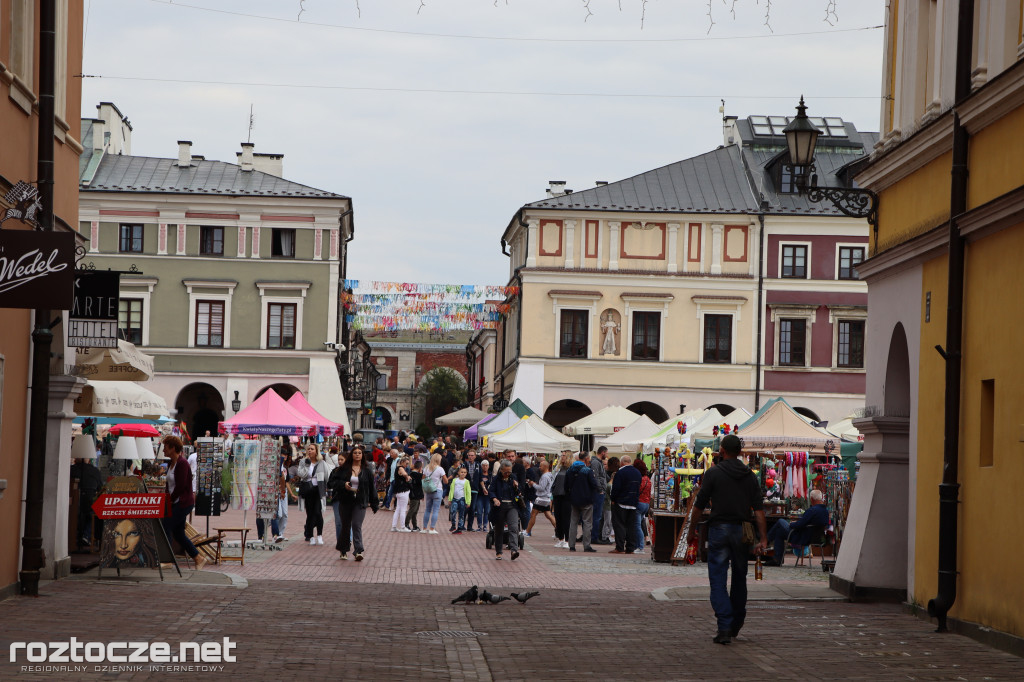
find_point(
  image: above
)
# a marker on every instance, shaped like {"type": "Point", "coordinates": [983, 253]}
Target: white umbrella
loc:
{"type": "Point", "coordinates": [467, 416]}
{"type": "Point", "coordinates": [126, 448]}
{"type": "Point", "coordinates": [124, 363]}
{"type": "Point", "coordinates": [119, 399]}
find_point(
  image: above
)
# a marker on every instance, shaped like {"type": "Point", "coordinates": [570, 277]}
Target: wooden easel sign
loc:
{"type": "Point", "coordinates": [133, 536]}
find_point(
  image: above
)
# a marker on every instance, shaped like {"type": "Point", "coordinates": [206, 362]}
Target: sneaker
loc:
{"type": "Point", "coordinates": [359, 556]}
{"type": "Point", "coordinates": [432, 532]}
{"type": "Point", "coordinates": [497, 557]}
{"type": "Point", "coordinates": [528, 534]}
{"type": "Point", "coordinates": [394, 529]}
{"type": "Point", "coordinates": [515, 555]}
{"type": "Point", "coordinates": [319, 539]}
{"type": "Point", "coordinates": [452, 529]}
{"type": "Point", "coordinates": [312, 541]}
{"type": "Point", "coordinates": [723, 637]}
{"type": "Point", "coordinates": [343, 557]}
{"type": "Point", "coordinates": [279, 540]}
{"type": "Point", "coordinates": [404, 530]}
{"type": "Point", "coordinates": [638, 551]}
{"type": "Point", "coordinates": [458, 532]}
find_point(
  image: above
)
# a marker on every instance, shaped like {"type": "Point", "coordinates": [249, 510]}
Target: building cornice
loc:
{"type": "Point", "coordinates": [917, 250]}
{"type": "Point", "coordinates": [993, 216]}
{"type": "Point", "coordinates": [997, 98]}
{"type": "Point", "coordinates": [917, 151]}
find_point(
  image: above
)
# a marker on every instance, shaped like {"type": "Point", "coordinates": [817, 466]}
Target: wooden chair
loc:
{"type": "Point", "coordinates": [208, 545]}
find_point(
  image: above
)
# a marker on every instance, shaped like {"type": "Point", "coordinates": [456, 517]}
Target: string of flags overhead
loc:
{"type": "Point", "coordinates": [396, 306]}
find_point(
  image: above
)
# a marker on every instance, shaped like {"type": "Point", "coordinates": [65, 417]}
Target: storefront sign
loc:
{"type": "Point", "coordinates": [37, 269]}
{"type": "Point", "coordinates": [130, 506]}
{"type": "Point", "coordinates": [93, 319]}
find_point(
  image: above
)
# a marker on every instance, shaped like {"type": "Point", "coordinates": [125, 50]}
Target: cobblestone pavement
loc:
{"type": "Point", "coordinates": [446, 559]}
{"type": "Point", "coordinates": [286, 630]}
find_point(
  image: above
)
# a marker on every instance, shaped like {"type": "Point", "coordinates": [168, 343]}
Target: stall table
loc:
{"type": "Point", "coordinates": [222, 532]}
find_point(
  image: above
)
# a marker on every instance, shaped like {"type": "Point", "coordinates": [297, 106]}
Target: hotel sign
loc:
{"type": "Point", "coordinates": [93, 319]}
{"type": "Point", "coordinates": [37, 269]}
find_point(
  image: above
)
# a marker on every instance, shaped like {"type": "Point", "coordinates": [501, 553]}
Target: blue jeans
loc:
{"type": "Point", "coordinates": [432, 505]}
{"type": "Point", "coordinates": [480, 509]}
{"type": "Point", "coordinates": [389, 496]}
{"type": "Point", "coordinates": [458, 513]}
{"type": "Point", "coordinates": [260, 527]}
{"type": "Point", "coordinates": [641, 514]}
{"type": "Point", "coordinates": [725, 548]}
{"type": "Point", "coordinates": [777, 535]}
{"type": "Point", "coordinates": [595, 533]}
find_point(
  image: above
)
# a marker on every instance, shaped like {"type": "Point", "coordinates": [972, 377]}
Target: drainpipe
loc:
{"type": "Point", "coordinates": [33, 558]}
{"type": "Point", "coordinates": [760, 301]}
{"type": "Point", "coordinates": [949, 489]}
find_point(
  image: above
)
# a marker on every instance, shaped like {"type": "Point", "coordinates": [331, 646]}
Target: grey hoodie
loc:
{"type": "Point", "coordinates": [600, 473]}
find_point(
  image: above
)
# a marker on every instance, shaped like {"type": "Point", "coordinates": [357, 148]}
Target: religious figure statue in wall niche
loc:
{"type": "Point", "coordinates": [610, 326]}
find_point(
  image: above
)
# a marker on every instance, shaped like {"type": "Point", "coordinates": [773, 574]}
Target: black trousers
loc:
{"type": "Point", "coordinates": [563, 512]}
{"type": "Point", "coordinates": [314, 516]}
{"type": "Point", "coordinates": [624, 522]}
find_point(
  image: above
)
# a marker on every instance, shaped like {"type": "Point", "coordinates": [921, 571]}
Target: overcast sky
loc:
{"type": "Point", "coordinates": [436, 177]}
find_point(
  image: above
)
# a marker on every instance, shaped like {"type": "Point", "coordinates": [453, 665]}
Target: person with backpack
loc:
{"type": "Point", "coordinates": [582, 489]}
{"type": "Point", "coordinates": [433, 480]}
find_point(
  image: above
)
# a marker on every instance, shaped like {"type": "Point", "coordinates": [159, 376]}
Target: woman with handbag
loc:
{"type": "Point", "coordinates": [356, 492]}
{"type": "Point", "coordinates": [311, 489]}
{"type": "Point", "coordinates": [433, 480]}
{"type": "Point", "coordinates": [335, 486]}
{"type": "Point", "coordinates": [400, 487]}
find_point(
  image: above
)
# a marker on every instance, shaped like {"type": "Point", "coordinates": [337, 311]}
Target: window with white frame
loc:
{"type": "Point", "coordinates": [792, 341]}
{"type": "Point", "coordinates": [849, 326]}
{"type": "Point", "coordinates": [282, 314]}
{"type": "Point", "coordinates": [129, 325]}
{"type": "Point", "coordinates": [793, 263]}
{"type": "Point", "coordinates": [209, 304]}
{"type": "Point", "coordinates": [849, 258]}
{"type": "Point", "coordinates": [717, 338]}
{"type": "Point", "coordinates": [646, 336]}
{"type": "Point", "coordinates": [572, 336]}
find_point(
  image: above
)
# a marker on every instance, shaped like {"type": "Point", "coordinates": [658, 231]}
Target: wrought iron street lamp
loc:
{"type": "Point", "coordinates": [802, 138]}
{"type": "Point", "coordinates": [236, 404]}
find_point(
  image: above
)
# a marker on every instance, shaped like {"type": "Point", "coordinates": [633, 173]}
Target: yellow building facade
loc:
{"type": "Point", "coordinates": [908, 280]}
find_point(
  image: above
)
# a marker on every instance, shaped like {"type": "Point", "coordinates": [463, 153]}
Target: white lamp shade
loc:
{"type": "Point", "coordinates": [82, 447]}
{"type": "Point", "coordinates": [145, 446]}
{"type": "Point", "coordinates": [126, 448]}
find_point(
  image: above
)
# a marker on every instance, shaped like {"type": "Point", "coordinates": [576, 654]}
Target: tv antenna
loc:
{"type": "Point", "coordinates": [252, 121]}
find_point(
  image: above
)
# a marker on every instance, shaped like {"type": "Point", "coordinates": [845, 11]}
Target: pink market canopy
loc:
{"type": "Point", "coordinates": [270, 415]}
{"type": "Point", "coordinates": [301, 405]}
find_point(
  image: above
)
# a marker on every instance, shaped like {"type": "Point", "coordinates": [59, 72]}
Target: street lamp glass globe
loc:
{"type": "Point", "coordinates": [801, 137]}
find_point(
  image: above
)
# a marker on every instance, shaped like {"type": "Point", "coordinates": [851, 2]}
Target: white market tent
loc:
{"type": "Point", "coordinates": [777, 426]}
{"type": "Point", "coordinates": [533, 434]}
{"type": "Point", "coordinates": [844, 429]}
{"type": "Point", "coordinates": [506, 418]}
{"type": "Point", "coordinates": [467, 416]}
{"type": "Point", "coordinates": [734, 418]}
{"type": "Point", "coordinates": [642, 427]}
{"type": "Point", "coordinates": [602, 423]}
{"type": "Point", "coordinates": [667, 433]}
{"type": "Point", "coordinates": [705, 423]}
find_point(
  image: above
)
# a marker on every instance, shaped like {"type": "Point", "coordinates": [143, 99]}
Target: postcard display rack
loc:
{"type": "Point", "coordinates": [672, 483]}
{"type": "Point", "coordinates": [209, 465]}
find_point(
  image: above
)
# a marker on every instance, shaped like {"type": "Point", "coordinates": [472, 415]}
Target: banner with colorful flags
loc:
{"type": "Point", "coordinates": [395, 306]}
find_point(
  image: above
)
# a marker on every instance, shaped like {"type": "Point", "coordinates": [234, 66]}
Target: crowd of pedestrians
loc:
{"type": "Point", "coordinates": [591, 499]}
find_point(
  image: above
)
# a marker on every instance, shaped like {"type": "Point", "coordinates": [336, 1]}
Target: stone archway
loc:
{"type": "Point", "coordinates": [286, 391]}
{"type": "Point", "coordinates": [382, 418]}
{"type": "Point", "coordinates": [656, 412]}
{"type": "Point", "coordinates": [200, 406]}
{"type": "Point", "coordinates": [562, 412]}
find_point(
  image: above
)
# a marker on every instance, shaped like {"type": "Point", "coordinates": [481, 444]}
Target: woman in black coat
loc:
{"type": "Point", "coordinates": [356, 491]}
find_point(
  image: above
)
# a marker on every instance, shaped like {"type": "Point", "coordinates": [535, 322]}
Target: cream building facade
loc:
{"type": "Point", "coordinates": [678, 288]}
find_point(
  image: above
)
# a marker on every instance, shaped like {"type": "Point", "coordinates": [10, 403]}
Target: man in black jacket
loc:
{"type": "Point", "coordinates": [503, 491]}
{"type": "Point", "coordinates": [733, 491]}
{"type": "Point", "coordinates": [580, 486]}
{"type": "Point", "coordinates": [625, 496]}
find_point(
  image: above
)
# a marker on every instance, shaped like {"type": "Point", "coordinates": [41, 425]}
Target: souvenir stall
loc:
{"type": "Point", "coordinates": [790, 457]}
{"type": "Point", "coordinates": [676, 474]}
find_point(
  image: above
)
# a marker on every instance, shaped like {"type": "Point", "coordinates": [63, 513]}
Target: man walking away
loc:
{"type": "Point", "coordinates": [503, 491]}
{"type": "Point", "coordinates": [601, 477]}
{"type": "Point", "coordinates": [733, 492]}
{"type": "Point", "coordinates": [625, 497]}
{"type": "Point", "coordinates": [580, 485]}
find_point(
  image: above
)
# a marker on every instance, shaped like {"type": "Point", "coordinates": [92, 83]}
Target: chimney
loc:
{"type": "Point", "coordinates": [245, 159]}
{"type": "Point", "coordinates": [184, 153]}
{"type": "Point", "coordinates": [117, 129]}
{"type": "Point", "coordinates": [556, 188]}
{"type": "Point", "coordinates": [272, 164]}
{"type": "Point", "coordinates": [729, 133]}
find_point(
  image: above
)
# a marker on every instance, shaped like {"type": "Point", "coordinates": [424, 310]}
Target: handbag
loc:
{"type": "Point", "coordinates": [306, 489]}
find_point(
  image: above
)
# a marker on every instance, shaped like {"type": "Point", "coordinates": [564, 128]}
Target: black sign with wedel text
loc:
{"type": "Point", "coordinates": [37, 269]}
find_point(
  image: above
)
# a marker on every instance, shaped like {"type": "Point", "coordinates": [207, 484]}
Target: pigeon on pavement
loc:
{"type": "Point", "coordinates": [468, 596]}
{"type": "Point", "coordinates": [523, 597]}
{"type": "Point", "coordinates": [488, 598]}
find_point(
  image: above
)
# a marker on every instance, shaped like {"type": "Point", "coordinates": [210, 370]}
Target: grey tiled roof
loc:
{"type": "Point", "coordinates": [710, 183]}
{"type": "Point", "coordinates": [147, 174]}
{"type": "Point", "coordinates": [728, 180]}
